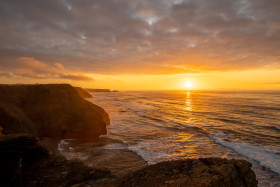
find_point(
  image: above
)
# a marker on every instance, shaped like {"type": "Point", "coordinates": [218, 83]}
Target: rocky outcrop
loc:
{"type": "Point", "coordinates": [54, 110]}
{"type": "Point", "coordinates": [24, 162]}
{"type": "Point", "coordinates": [83, 93]}
{"type": "Point", "coordinates": [205, 172]}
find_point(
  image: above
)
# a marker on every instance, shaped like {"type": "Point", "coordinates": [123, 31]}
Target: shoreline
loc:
{"type": "Point", "coordinates": [74, 158]}
{"type": "Point", "coordinates": [57, 171]}
{"type": "Point", "coordinates": [100, 154]}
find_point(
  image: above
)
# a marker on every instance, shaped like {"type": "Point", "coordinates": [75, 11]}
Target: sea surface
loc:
{"type": "Point", "coordinates": [171, 125]}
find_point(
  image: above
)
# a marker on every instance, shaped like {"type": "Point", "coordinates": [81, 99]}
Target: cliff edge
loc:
{"type": "Point", "coordinates": [83, 93]}
{"type": "Point", "coordinates": [51, 110]}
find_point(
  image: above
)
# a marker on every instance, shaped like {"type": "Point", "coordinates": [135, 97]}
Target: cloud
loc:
{"type": "Point", "coordinates": [75, 77]}
{"type": "Point", "coordinates": [31, 68]}
{"type": "Point", "coordinates": [133, 36]}
{"type": "Point", "coordinates": [273, 83]}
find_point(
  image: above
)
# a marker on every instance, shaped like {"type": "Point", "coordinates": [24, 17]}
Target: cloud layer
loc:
{"type": "Point", "coordinates": [139, 36]}
{"type": "Point", "coordinates": [34, 69]}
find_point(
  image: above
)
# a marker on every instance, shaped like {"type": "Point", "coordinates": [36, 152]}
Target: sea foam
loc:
{"type": "Point", "coordinates": [265, 155]}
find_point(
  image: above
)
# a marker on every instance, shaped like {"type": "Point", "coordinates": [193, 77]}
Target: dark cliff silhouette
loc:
{"type": "Point", "coordinates": [59, 111]}
{"type": "Point", "coordinates": [54, 110]}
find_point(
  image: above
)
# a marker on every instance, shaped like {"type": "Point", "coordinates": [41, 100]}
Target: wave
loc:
{"type": "Point", "coordinates": [168, 124]}
{"type": "Point", "coordinates": [265, 108]}
{"type": "Point", "coordinates": [61, 145]}
{"type": "Point", "coordinates": [151, 123]}
{"type": "Point", "coordinates": [66, 150]}
{"type": "Point", "coordinates": [114, 146]}
{"type": "Point", "coordinates": [266, 156]}
{"type": "Point", "coordinates": [150, 151]}
{"type": "Point", "coordinates": [185, 125]}
{"type": "Point", "coordinates": [227, 120]}
{"type": "Point", "coordinates": [277, 128]}
{"type": "Point", "coordinates": [139, 114]}
{"type": "Point", "coordinates": [134, 106]}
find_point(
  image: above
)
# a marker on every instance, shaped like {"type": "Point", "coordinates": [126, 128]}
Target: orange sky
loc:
{"type": "Point", "coordinates": [253, 80]}
{"type": "Point", "coordinates": [142, 45]}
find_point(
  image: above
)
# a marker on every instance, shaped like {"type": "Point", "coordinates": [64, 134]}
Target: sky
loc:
{"type": "Point", "coordinates": [141, 44]}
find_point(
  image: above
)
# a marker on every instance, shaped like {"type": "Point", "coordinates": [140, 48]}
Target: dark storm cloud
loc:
{"type": "Point", "coordinates": [142, 36]}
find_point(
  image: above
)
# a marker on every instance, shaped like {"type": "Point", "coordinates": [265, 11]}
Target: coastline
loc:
{"type": "Point", "coordinates": [57, 171]}
{"type": "Point", "coordinates": [163, 126]}
{"type": "Point", "coordinates": [103, 154]}
{"type": "Point", "coordinates": [110, 162]}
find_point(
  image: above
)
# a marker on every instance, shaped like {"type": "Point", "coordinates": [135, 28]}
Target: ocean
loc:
{"type": "Point", "coordinates": [171, 125]}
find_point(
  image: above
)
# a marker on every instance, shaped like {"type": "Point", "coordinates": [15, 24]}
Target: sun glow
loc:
{"type": "Point", "coordinates": [188, 84]}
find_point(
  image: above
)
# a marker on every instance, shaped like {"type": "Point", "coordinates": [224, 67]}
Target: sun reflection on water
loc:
{"type": "Point", "coordinates": [188, 101]}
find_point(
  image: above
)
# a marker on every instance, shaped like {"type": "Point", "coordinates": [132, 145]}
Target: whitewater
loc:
{"type": "Point", "coordinates": [171, 125]}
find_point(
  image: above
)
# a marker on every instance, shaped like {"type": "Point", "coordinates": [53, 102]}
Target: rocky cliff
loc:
{"type": "Point", "coordinates": [210, 172]}
{"type": "Point", "coordinates": [83, 93]}
{"type": "Point", "coordinates": [54, 110]}
{"type": "Point", "coordinates": [58, 111]}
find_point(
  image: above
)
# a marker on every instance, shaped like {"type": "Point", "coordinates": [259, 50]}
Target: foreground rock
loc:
{"type": "Point", "coordinates": [25, 163]}
{"type": "Point", "coordinates": [206, 172]}
{"type": "Point", "coordinates": [54, 110]}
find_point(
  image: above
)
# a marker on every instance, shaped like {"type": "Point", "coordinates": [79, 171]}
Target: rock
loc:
{"type": "Point", "coordinates": [15, 150]}
{"type": "Point", "coordinates": [20, 146]}
{"type": "Point", "coordinates": [54, 110]}
{"type": "Point", "coordinates": [83, 93]}
{"type": "Point", "coordinates": [24, 162]}
{"type": "Point", "coordinates": [210, 172]}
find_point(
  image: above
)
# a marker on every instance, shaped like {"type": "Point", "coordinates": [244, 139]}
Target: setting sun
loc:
{"type": "Point", "coordinates": [188, 84]}
{"type": "Point", "coordinates": [176, 79]}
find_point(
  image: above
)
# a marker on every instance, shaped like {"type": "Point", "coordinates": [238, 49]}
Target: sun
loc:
{"type": "Point", "coordinates": [188, 84]}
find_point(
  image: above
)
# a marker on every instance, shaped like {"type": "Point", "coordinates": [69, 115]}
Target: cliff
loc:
{"type": "Point", "coordinates": [83, 93]}
{"type": "Point", "coordinates": [54, 110]}
{"type": "Point", "coordinates": [58, 111]}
